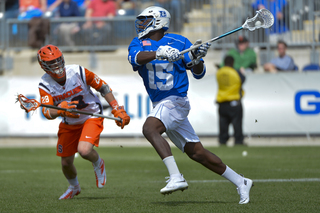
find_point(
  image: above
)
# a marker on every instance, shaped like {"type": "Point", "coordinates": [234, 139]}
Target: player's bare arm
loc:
{"type": "Point", "coordinates": [198, 69]}
{"type": "Point", "coordinates": [145, 57]}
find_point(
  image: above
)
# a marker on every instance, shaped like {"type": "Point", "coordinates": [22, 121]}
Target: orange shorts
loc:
{"type": "Point", "coordinates": [70, 135]}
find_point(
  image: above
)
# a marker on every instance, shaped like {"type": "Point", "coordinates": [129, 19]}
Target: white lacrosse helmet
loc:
{"type": "Point", "coordinates": [151, 19]}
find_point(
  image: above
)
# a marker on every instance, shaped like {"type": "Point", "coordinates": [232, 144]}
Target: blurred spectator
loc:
{"type": "Point", "coordinates": [54, 4]}
{"type": "Point", "coordinates": [126, 7]}
{"type": "Point", "coordinates": [52, 7]}
{"type": "Point", "coordinates": [31, 8]}
{"type": "Point", "coordinates": [245, 59]}
{"type": "Point", "coordinates": [100, 8]}
{"type": "Point", "coordinates": [98, 32]}
{"type": "Point", "coordinates": [279, 9]}
{"type": "Point", "coordinates": [229, 99]}
{"type": "Point", "coordinates": [38, 27]}
{"type": "Point", "coordinates": [175, 9]}
{"type": "Point", "coordinates": [11, 9]}
{"type": "Point", "coordinates": [83, 5]}
{"type": "Point", "coordinates": [65, 31]}
{"type": "Point", "coordinates": [281, 63]}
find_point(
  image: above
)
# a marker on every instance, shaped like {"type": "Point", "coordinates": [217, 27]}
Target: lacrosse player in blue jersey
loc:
{"type": "Point", "coordinates": [156, 56]}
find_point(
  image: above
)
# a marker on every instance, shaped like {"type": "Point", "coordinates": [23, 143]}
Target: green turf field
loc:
{"type": "Point", "coordinates": [286, 179]}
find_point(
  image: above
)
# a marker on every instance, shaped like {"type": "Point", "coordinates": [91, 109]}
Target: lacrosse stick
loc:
{"type": "Point", "coordinates": [31, 105]}
{"type": "Point", "coordinates": [262, 19]}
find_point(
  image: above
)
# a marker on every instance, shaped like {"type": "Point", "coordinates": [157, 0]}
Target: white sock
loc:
{"type": "Point", "coordinates": [171, 166]}
{"type": "Point", "coordinates": [232, 176]}
{"type": "Point", "coordinates": [73, 182]}
{"type": "Point", "coordinates": [97, 163]}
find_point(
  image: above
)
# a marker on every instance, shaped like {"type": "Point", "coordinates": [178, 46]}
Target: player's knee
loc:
{"type": "Point", "coordinates": [146, 131]}
{"type": "Point", "coordinates": [66, 162]}
{"type": "Point", "coordinates": [84, 153]}
{"type": "Point", "coordinates": [153, 128]}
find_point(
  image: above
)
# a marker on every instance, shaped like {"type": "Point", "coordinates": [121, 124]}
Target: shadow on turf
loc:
{"type": "Point", "coordinates": [178, 203]}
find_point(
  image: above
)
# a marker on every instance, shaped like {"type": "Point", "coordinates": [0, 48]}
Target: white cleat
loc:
{"type": "Point", "coordinates": [71, 192]}
{"type": "Point", "coordinates": [174, 184]}
{"type": "Point", "coordinates": [100, 173]}
{"type": "Point", "coordinates": [244, 191]}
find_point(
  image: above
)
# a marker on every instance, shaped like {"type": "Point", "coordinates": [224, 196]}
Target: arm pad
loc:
{"type": "Point", "coordinates": [105, 89]}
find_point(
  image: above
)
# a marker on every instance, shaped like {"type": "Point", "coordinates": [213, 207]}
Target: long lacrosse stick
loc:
{"type": "Point", "coordinates": [262, 19]}
{"type": "Point", "coordinates": [31, 105]}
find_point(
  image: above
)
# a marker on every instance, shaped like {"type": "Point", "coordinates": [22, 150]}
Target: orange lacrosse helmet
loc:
{"type": "Point", "coordinates": [51, 61]}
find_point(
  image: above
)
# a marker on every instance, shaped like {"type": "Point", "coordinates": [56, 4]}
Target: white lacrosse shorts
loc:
{"type": "Point", "coordinates": [173, 113]}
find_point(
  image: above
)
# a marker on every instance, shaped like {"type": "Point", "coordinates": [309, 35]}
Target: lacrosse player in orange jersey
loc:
{"type": "Point", "coordinates": [68, 86]}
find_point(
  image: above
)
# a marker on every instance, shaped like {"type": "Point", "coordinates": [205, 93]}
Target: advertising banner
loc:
{"type": "Point", "coordinates": [274, 104]}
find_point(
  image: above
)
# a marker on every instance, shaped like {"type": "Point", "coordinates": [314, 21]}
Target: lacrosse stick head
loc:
{"type": "Point", "coordinates": [27, 104]}
{"type": "Point", "coordinates": [262, 19]}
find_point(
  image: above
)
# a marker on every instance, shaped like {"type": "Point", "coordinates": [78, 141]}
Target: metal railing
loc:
{"type": "Point", "coordinates": [195, 19]}
{"type": "Point", "coordinates": [116, 33]}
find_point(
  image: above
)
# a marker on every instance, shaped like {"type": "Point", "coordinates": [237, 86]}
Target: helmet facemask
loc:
{"type": "Point", "coordinates": [51, 61]}
{"type": "Point", "coordinates": [144, 22]}
{"type": "Point", "coordinates": [54, 68]}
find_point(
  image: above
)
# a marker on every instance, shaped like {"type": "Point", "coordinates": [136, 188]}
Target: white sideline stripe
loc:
{"type": "Point", "coordinates": [190, 181]}
{"type": "Point", "coordinates": [260, 180]}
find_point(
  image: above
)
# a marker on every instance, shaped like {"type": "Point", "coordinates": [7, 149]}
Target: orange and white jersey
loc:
{"type": "Point", "coordinates": [76, 88]}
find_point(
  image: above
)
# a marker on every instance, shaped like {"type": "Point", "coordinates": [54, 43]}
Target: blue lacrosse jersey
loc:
{"type": "Point", "coordinates": [162, 78]}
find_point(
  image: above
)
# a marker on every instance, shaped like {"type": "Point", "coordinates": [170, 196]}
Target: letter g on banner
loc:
{"type": "Point", "coordinates": [307, 102]}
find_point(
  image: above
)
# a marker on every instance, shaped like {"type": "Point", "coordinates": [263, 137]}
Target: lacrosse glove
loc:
{"type": "Point", "coordinates": [198, 53]}
{"type": "Point", "coordinates": [121, 113]}
{"type": "Point", "coordinates": [168, 53]}
{"type": "Point", "coordinates": [68, 105]}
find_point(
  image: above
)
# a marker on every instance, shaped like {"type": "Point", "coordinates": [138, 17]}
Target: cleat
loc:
{"type": "Point", "coordinates": [71, 192]}
{"type": "Point", "coordinates": [174, 184]}
{"type": "Point", "coordinates": [101, 176]}
{"type": "Point", "coordinates": [244, 191]}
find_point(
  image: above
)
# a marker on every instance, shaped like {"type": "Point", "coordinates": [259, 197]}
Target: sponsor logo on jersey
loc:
{"type": "Point", "coordinates": [67, 94]}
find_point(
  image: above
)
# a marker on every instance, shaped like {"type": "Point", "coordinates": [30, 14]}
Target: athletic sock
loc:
{"type": "Point", "coordinates": [97, 163]}
{"type": "Point", "coordinates": [73, 182]}
{"type": "Point", "coordinates": [232, 176]}
{"type": "Point", "coordinates": [171, 166]}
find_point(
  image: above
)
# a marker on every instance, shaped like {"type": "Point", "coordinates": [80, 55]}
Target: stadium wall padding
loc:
{"type": "Point", "coordinates": [274, 104]}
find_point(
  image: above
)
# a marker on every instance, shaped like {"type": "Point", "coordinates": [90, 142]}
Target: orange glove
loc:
{"type": "Point", "coordinates": [121, 113]}
{"type": "Point", "coordinates": [68, 105]}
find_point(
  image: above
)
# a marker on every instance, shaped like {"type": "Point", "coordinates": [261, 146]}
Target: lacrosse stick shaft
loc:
{"type": "Point", "coordinates": [251, 24]}
{"type": "Point", "coordinates": [211, 40]}
{"type": "Point", "coordinates": [81, 112]}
